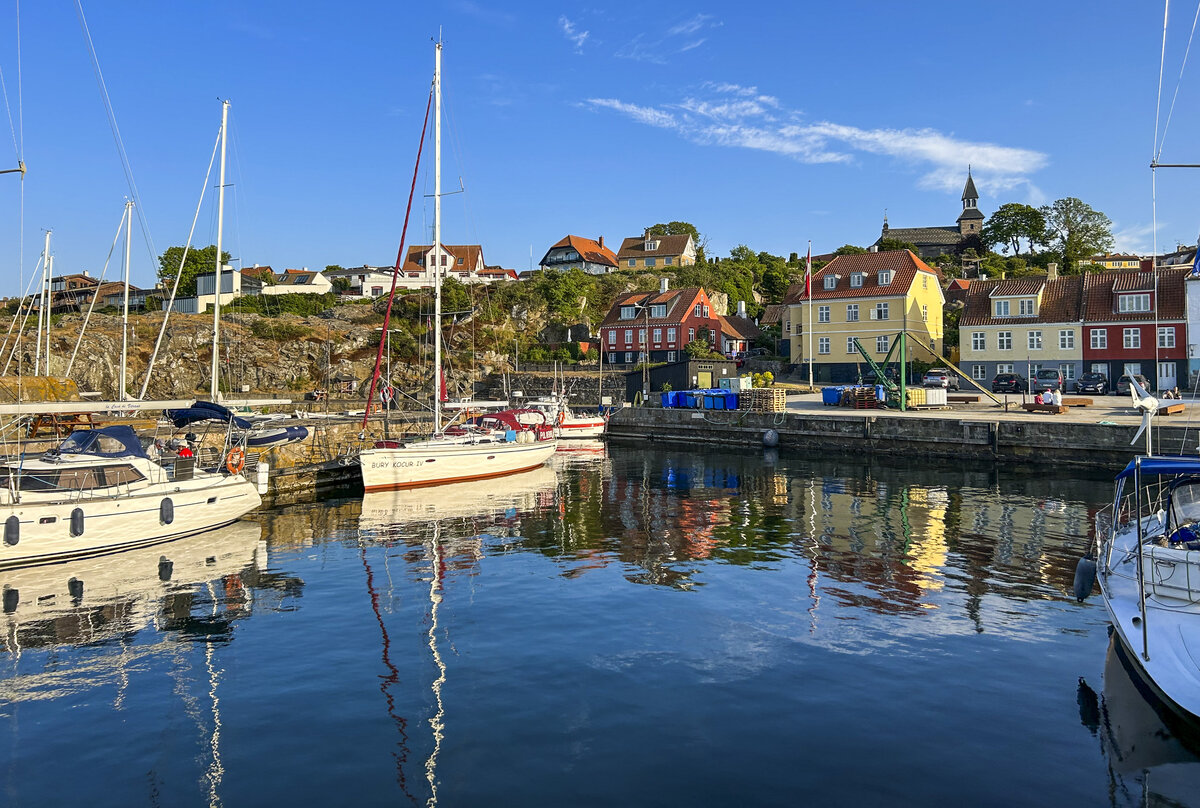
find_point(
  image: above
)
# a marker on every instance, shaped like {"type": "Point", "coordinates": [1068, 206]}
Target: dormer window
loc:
{"type": "Point", "coordinates": [885, 277]}
{"type": "Point", "coordinates": [658, 310]}
{"type": "Point", "coordinates": [856, 279]}
{"type": "Point", "coordinates": [1026, 307]}
{"type": "Point", "coordinates": [1132, 303]}
{"type": "Point", "coordinates": [831, 281]}
{"type": "Point", "coordinates": [651, 246]}
{"type": "Point", "coordinates": [1001, 308]}
{"type": "Point", "coordinates": [628, 312]}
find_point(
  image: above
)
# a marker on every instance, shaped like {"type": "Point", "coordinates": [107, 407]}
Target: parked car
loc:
{"type": "Point", "coordinates": [1093, 383]}
{"type": "Point", "coordinates": [1009, 383]}
{"type": "Point", "coordinates": [940, 377]}
{"type": "Point", "coordinates": [1047, 379]}
{"type": "Point", "coordinates": [1123, 384]}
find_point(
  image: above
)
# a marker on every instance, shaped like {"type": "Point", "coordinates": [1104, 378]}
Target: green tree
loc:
{"type": "Point", "coordinates": [850, 249]}
{"type": "Point", "coordinates": [1076, 230]}
{"type": "Point", "coordinates": [1013, 222]}
{"type": "Point", "coordinates": [890, 244]}
{"type": "Point", "coordinates": [197, 262]}
{"type": "Point", "coordinates": [331, 267]}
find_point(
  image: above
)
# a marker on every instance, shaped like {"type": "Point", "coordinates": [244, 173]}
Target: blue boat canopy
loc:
{"type": "Point", "coordinates": [109, 441]}
{"type": "Point", "coordinates": [1163, 466]}
{"type": "Point", "coordinates": [204, 411]}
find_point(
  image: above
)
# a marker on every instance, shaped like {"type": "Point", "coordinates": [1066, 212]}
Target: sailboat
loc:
{"type": "Point", "coordinates": [443, 458]}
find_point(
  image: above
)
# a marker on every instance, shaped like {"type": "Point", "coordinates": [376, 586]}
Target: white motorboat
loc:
{"type": "Point", "coordinates": [444, 458]}
{"type": "Point", "coordinates": [1148, 564]}
{"type": "Point", "coordinates": [567, 423]}
{"type": "Point", "coordinates": [99, 492]}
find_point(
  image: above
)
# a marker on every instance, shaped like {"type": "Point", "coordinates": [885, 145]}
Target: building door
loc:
{"type": "Point", "coordinates": [1166, 376]}
{"type": "Point", "coordinates": [704, 380]}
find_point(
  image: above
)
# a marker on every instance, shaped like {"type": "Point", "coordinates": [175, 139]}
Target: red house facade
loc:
{"type": "Point", "coordinates": [658, 325]}
{"type": "Point", "coordinates": [1135, 322]}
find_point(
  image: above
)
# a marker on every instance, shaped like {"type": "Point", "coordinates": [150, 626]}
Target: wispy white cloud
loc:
{"type": "Point", "coordinates": [1137, 238]}
{"type": "Point", "coordinates": [678, 38]}
{"type": "Point", "coordinates": [736, 116]}
{"type": "Point", "coordinates": [573, 34]}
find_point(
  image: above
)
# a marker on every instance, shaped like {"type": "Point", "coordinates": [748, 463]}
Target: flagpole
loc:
{"type": "Point", "coordinates": [808, 282]}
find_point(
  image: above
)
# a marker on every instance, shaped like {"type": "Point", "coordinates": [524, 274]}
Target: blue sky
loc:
{"type": "Point", "coordinates": [767, 124]}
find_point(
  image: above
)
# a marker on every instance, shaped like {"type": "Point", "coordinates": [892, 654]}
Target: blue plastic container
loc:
{"type": "Point", "coordinates": [667, 400]}
{"type": "Point", "coordinates": [689, 399]}
{"type": "Point", "coordinates": [831, 396]}
{"type": "Point", "coordinates": [717, 401]}
{"type": "Point", "coordinates": [731, 400]}
{"type": "Point", "coordinates": [879, 394]}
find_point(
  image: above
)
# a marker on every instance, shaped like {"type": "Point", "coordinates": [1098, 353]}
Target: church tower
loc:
{"type": "Point", "coordinates": [970, 221]}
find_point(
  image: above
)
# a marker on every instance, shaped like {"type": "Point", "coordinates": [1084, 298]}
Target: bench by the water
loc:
{"type": "Point", "coordinates": [1171, 409]}
{"type": "Point", "coordinates": [963, 399]}
{"type": "Point", "coordinates": [1056, 409]}
{"type": "Point", "coordinates": [1077, 402]}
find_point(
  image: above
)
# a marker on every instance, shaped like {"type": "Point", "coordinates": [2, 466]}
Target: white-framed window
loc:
{"type": "Point", "coordinates": [650, 262]}
{"type": "Point", "coordinates": [1068, 372]}
{"type": "Point", "coordinates": [657, 336]}
{"type": "Point", "coordinates": [924, 313]}
{"type": "Point", "coordinates": [882, 344]}
{"type": "Point", "coordinates": [628, 357]}
{"type": "Point", "coordinates": [856, 279]}
{"type": "Point", "coordinates": [704, 309]}
{"type": "Point", "coordinates": [1035, 340]}
{"type": "Point", "coordinates": [1000, 309]}
{"type": "Point", "coordinates": [691, 335]}
{"type": "Point", "coordinates": [641, 336]}
{"type": "Point", "coordinates": [823, 345]}
{"type": "Point", "coordinates": [885, 277]}
{"type": "Point", "coordinates": [1132, 369]}
{"type": "Point", "coordinates": [978, 340]}
{"type": "Point", "coordinates": [881, 311]}
{"type": "Point", "coordinates": [612, 336]}
{"type": "Point", "coordinates": [1034, 367]}
{"type": "Point", "coordinates": [376, 291]}
{"type": "Point", "coordinates": [1066, 339]}
{"type": "Point", "coordinates": [831, 281]}
{"type": "Point", "coordinates": [1166, 372]}
{"type": "Point", "coordinates": [1004, 367]}
{"type": "Point", "coordinates": [787, 327]}
{"type": "Point", "coordinates": [850, 345]}
{"type": "Point", "coordinates": [852, 313]}
{"type": "Point", "coordinates": [1026, 307]}
{"type": "Point", "coordinates": [632, 262]}
{"type": "Point", "coordinates": [924, 281]}
{"type": "Point", "coordinates": [672, 356]}
{"type": "Point", "coordinates": [1099, 367]}
{"type": "Point", "coordinates": [822, 314]}
{"type": "Point", "coordinates": [667, 261]}
{"type": "Point", "coordinates": [1131, 337]}
{"type": "Point", "coordinates": [1004, 340]}
{"type": "Point", "coordinates": [671, 335]}
{"type": "Point", "coordinates": [1166, 336]}
{"type": "Point", "coordinates": [1099, 339]}
{"type": "Point", "coordinates": [628, 312]}
{"type": "Point", "coordinates": [1133, 302]}
{"type": "Point", "coordinates": [979, 372]}
{"type": "Point", "coordinates": [658, 310]}
{"type": "Point", "coordinates": [628, 336]}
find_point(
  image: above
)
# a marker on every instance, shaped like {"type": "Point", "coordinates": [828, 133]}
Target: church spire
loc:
{"type": "Point", "coordinates": [970, 197]}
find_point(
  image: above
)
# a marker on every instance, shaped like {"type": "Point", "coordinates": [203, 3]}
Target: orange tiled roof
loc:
{"type": "Point", "coordinates": [1100, 290]}
{"type": "Point", "coordinates": [1061, 301]}
{"type": "Point", "coordinates": [677, 301]}
{"type": "Point", "coordinates": [902, 263]}
{"type": "Point", "coordinates": [591, 251]}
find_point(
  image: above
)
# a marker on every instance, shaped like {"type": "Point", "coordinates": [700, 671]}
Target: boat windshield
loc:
{"type": "Point", "coordinates": [71, 478]}
{"type": "Point", "coordinates": [109, 441]}
{"type": "Point", "coordinates": [1185, 503]}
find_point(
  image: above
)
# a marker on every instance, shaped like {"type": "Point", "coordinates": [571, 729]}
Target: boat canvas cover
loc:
{"type": "Point", "coordinates": [1162, 466]}
{"type": "Point", "coordinates": [204, 411]}
{"type": "Point", "coordinates": [109, 441]}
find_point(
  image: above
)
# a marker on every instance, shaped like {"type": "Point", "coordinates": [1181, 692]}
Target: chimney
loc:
{"type": "Point", "coordinates": [1052, 272]}
{"type": "Point", "coordinates": [663, 285]}
{"type": "Point", "coordinates": [741, 309]}
{"type": "Point", "coordinates": [601, 241]}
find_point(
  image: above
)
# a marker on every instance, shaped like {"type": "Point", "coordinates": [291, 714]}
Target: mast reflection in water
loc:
{"type": "Point", "coordinates": [621, 627]}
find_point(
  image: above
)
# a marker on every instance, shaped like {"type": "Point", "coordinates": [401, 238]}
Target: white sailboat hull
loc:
{"type": "Point", "coordinates": [576, 428]}
{"type": "Point", "coordinates": [436, 462]}
{"type": "Point", "coordinates": [124, 522]}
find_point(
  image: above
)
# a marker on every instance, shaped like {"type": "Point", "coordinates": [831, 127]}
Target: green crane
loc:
{"type": "Point", "coordinates": [897, 394]}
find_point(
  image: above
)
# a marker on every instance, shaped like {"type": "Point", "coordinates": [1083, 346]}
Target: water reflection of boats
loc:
{"type": "Point", "coordinates": [529, 490]}
{"type": "Point", "coordinates": [1153, 753]}
{"type": "Point", "coordinates": [91, 599]}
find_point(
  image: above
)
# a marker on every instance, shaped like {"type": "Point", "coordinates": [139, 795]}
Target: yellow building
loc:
{"type": "Point", "coordinates": [871, 297]}
{"type": "Point", "coordinates": [656, 252]}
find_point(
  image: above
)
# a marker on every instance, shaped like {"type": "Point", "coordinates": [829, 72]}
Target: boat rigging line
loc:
{"type": "Point", "coordinates": [396, 271]}
{"type": "Point", "coordinates": [100, 282]}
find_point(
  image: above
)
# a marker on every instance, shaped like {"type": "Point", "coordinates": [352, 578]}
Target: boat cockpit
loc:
{"type": "Point", "coordinates": [1182, 529]}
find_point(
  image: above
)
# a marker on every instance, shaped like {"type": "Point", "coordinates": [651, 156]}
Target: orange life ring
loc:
{"type": "Point", "coordinates": [236, 461]}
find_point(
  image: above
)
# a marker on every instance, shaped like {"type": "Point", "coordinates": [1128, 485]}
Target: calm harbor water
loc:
{"type": "Point", "coordinates": [624, 628]}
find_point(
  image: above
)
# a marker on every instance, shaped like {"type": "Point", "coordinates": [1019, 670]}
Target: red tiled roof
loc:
{"type": "Point", "coordinates": [468, 252]}
{"type": "Point", "coordinates": [667, 245]}
{"type": "Point", "coordinates": [591, 251]}
{"type": "Point", "coordinates": [773, 314]}
{"type": "Point", "coordinates": [1061, 300]}
{"type": "Point", "coordinates": [678, 303]}
{"type": "Point", "coordinates": [739, 327]}
{"type": "Point", "coordinates": [903, 264]}
{"type": "Point", "coordinates": [1019, 287]}
{"type": "Point", "coordinates": [960, 283]}
{"type": "Point", "coordinates": [1134, 282]}
{"type": "Point", "coordinates": [1100, 300]}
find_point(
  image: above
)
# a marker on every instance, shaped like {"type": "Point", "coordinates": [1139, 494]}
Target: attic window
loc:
{"type": "Point", "coordinates": [885, 277]}
{"type": "Point", "coordinates": [831, 282]}
{"type": "Point", "coordinates": [658, 310]}
{"type": "Point", "coordinates": [628, 312]}
{"type": "Point", "coordinates": [856, 279]}
{"type": "Point", "coordinates": [651, 245]}
{"type": "Point", "coordinates": [460, 261]}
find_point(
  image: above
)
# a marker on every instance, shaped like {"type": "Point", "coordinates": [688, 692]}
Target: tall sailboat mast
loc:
{"type": "Point", "coordinates": [43, 320]}
{"type": "Point", "coordinates": [216, 346]}
{"type": "Point", "coordinates": [121, 396]}
{"type": "Point", "coordinates": [437, 239]}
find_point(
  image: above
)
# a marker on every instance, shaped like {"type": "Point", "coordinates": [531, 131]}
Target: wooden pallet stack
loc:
{"type": "Point", "coordinates": [861, 398]}
{"type": "Point", "coordinates": [763, 399]}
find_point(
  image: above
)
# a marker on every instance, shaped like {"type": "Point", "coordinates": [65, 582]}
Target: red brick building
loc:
{"type": "Point", "coordinates": [1133, 323]}
{"type": "Point", "coordinates": [659, 324]}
